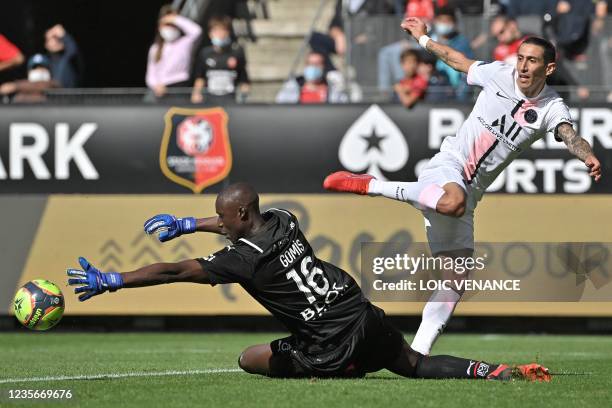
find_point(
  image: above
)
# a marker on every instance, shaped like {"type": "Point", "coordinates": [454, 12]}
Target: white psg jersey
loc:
{"type": "Point", "coordinates": [503, 123]}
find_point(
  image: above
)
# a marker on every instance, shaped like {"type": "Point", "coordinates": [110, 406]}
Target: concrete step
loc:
{"type": "Point", "coordinates": [278, 28]}
{"type": "Point", "coordinates": [302, 10]}
{"type": "Point", "coordinates": [264, 92]}
{"type": "Point", "coordinates": [274, 45]}
{"type": "Point", "coordinates": [270, 72]}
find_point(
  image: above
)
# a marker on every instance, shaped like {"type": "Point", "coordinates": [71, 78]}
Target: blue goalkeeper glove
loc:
{"type": "Point", "coordinates": [92, 282]}
{"type": "Point", "coordinates": [168, 226]}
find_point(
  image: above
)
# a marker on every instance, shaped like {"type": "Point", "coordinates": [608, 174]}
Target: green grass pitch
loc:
{"type": "Point", "coordinates": [178, 370]}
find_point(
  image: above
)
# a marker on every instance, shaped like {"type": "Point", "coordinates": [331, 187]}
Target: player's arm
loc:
{"type": "Point", "coordinates": [162, 273]}
{"type": "Point", "coordinates": [579, 148]}
{"type": "Point", "coordinates": [92, 282]}
{"type": "Point", "coordinates": [450, 56]}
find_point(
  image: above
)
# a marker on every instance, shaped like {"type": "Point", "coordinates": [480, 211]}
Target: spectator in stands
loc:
{"type": "Point", "coordinates": [446, 32]}
{"type": "Point", "coordinates": [33, 89]}
{"type": "Point", "coordinates": [64, 57]}
{"type": "Point", "coordinates": [389, 67]}
{"type": "Point", "coordinates": [10, 56]}
{"type": "Point", "coordinates": [509, 38]}
{"type": "Point", "coordinates": [335, 41]}
{"type": "Point", "coordinates": [413, 86]}
{"type": "Point", "coordinates": [438, 88]}
{"type": "Point", "coordinates": [169, 60]}
{"type": "Point", "coordinates": [517, 8]}
{"type": "Point", "coordinates": [571, 24]}
{"type": "Point", "coordinates": [316, 85]}
{"type": "Point", "coordinates": [221, 67]}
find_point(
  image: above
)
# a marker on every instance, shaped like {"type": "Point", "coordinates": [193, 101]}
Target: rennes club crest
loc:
{"type": "Point", "coordinates": [195, 150]}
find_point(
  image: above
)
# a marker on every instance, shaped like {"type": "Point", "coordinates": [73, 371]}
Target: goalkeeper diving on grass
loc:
{"type": "Point", "coordinates": [335, 330]}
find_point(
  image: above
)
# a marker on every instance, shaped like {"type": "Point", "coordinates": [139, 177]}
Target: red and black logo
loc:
{"type": "Point", "coordinates": [195, 150]}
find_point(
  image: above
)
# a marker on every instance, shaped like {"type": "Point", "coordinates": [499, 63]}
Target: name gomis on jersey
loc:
{"type": "Point", "coordinates": [289, 256]}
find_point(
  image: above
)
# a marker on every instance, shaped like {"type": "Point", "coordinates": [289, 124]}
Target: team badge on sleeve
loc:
{"type": "Point", "coordinates": [195, 150]}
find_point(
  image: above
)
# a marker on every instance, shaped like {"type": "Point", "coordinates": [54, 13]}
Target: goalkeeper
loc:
{"type": "Point", "coordinates": [335, 330]}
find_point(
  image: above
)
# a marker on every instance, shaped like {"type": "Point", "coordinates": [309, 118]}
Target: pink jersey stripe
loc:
{"type": "Point", "coordinates": [480, 147]}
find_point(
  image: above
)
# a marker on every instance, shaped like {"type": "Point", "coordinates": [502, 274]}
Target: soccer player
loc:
{"type": "Point", "coordinates": [514, 109]}
{"type": "Point", "coordinates": [335, 331]}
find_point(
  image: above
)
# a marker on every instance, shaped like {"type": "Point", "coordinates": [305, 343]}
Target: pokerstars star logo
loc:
{"type": "Point", "coordinates": [373, 144]}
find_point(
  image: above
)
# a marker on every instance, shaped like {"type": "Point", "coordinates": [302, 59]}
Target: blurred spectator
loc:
{"type": "Point", "coordinates": [423, 9]}
{"type": "Point", "coordinates": [169, 60]}
{"type": "Point", "coordinates": [10, 56]}
{"type": "Point", "coordinates": [317, 85]}
{"type": "Point", "coordinates": [601, 12]}
{"type": "Point", "coordinates": [33, 89]}
{"type": "Point", "coordinates": [413, 86]}
{"type": "Point", "coordinates": [335, 42]}
{"type": "Point", "coordinates": [571, 24]}
{"type": "Point", "coordinates": [517, 8]}
{"type": "Point", "coordinates": [509, 39]}
{"type": "Point", "coordinates": [64, 57]}
{"type": "Point", "coordinates": [438, 88]}
{"type": "Point", "coordinates": [221, 67]}
{"type": "Point", "coordinates": [446, 32]}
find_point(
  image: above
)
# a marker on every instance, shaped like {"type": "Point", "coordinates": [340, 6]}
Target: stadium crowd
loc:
{"type": "Point", "coordinates": [212, 64]}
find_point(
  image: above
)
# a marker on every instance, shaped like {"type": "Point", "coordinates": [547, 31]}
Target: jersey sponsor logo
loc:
{"type": "Point", "coordinates": [313, 283]}
{"type": "Point", "coordinates": [497, 129]}
{"type": "Point", "coordinates": [372, 144]}
{"type": "Point", "coordinates": [195, 150]}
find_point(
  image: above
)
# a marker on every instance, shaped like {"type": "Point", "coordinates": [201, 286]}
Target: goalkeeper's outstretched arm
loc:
{"type": "Point", "coordinates": [90, 281]}
{"type": "Point", "coordinates": [450, 56]}
{"type": "Point", "coordinates": [162, 273]}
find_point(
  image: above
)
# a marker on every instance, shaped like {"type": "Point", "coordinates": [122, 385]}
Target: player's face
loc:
{"type": "Point", "coordinates": [532, 71]}
{"type": "Point", "coordinates": [229, 219]}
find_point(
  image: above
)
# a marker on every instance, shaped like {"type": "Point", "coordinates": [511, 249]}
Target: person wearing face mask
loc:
{"type": "Point", "coordinates": [64, 57]}
{"type": "Point", "coordinates": [221, 67]}
{"type": "Point", "coordinates": [445, 31]}
{"type": "Point", "coordinates": [318, 85]}
{"type": "Point", "coordinates": [31, 90]}
{"type": "Point", "coordinates": [169, 60]}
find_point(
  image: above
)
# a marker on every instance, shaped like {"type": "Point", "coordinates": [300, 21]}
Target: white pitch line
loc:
{"type": "Point", "coordinates": [120, 375]}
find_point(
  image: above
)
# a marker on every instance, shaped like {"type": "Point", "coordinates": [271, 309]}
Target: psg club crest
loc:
{"type": "Point", "coordinates": [195, 150]}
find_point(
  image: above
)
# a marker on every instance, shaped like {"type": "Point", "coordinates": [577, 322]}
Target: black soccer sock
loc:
{"type": "Point", "coordinates": [452, 367]}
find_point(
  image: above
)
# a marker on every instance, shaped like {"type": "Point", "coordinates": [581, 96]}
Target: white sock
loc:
{"type": "Point", "coordinates": [418, 194]}
{"type": "Point", "coordinates": [436, 313]}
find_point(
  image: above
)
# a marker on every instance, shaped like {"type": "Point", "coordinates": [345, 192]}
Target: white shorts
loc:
{"type": "Point", "coordinates": [446, 233]}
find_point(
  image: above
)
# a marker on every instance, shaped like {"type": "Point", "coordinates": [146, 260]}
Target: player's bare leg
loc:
{"type": "Point", "coordinates": [259, 359]}
{"type": "Point", "coordinates": [415, 365]}
{"type": "Point", "coordinates": [449, 199]}
{"type": "Point", "coordinates": [439, 307]}
{"type": "Point", "coordinates": [256, 359]}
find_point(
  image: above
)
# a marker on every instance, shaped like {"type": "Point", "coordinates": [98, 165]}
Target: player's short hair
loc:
{"type": "Point", "coordinates": [221, 22]}
{"type": "Point", "coordinates": [410, 53]}
{"type": "Point", "coordinates": [446, 11]}
{"type": "Point", "coordinates": [550, 53]}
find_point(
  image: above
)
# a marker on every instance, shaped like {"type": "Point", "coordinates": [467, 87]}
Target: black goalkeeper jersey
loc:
{"type": "Point", "coordinates": [319, 303]}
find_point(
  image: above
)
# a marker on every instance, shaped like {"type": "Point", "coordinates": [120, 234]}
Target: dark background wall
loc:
{"type": "Point", "coordinates": [114, 35]}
